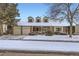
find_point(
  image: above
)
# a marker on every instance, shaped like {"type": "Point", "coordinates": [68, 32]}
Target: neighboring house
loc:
{"type": "Point", "coordinates": [42, 25]}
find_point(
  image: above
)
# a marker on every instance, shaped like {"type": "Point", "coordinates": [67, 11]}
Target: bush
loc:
{"type": "Point", "coordinates": [63, 33]}
{"type": "Point", "coordinates": [4, 33]}
{"type": "Point", "coordinates": [60, 33]}
{"type": "Point", "coordinates": [32, 33]}
{"type": "Point", "coordinates": [48, 33]}
{"type": "Point", "coordinates": [56, 33]}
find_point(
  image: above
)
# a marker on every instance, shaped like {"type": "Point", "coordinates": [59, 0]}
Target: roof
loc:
{"type": "Point", "coordinates": [51, 23]}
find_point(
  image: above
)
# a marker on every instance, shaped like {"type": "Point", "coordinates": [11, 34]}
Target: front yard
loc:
{"type": "Point", "coordinates": [41, 37]}
{"type": "Point", "coordinates": [40, 43]}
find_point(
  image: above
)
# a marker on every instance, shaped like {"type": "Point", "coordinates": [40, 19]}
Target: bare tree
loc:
{"type": "Point", "coordinates": [65, 11]}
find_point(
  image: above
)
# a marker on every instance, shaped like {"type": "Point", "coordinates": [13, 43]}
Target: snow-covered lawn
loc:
{"type": "Point", "coordinates": [54, 37]}
{"type": "Point", "coordinates": [41, 37]}
{"type": "Point", "coordinates": [26, 43]}
{"type": "Point", "coordinates": [9, 37]}
{"type": "Point", "coordinates": [39, 46]}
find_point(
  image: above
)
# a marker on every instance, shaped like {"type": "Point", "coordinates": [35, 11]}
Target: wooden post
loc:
{"type": "Point", "coordinates": [51, 28]}
{"type": "Point", "coordinates": [41, 29]}
{"type": "Point", "coordinates": [31, 28]}
{"type": "Point", "coordinates": [62, 29]}
{"type": "Point", "coordinates": [21, 30]}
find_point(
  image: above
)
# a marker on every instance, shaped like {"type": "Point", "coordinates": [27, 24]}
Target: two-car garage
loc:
{"type": "Point", "coordinates": [21, 30]}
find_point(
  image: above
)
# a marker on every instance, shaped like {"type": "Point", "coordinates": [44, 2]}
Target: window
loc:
{"type": "Point", "coordinates": [45, 19]}
{"type": "Point", "coordinates": [30, 19]}
{"type": "Point", "coordinates": [58, 29]}
{"type": "Point", "coordinates": [38, 19]}
{"type": "Point", "coordinates": [36, 29]}
{"type": "Point", "coordinates": [45, 29]}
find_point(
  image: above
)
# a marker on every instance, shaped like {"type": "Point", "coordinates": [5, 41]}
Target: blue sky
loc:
{"type": "Point", "coordinates": [32, 9]}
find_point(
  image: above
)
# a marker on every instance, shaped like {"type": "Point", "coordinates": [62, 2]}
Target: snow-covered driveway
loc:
{"type": "Point", "coordinates": [39, 46]}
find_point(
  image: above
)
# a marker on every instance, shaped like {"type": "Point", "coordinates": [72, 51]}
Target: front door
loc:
{"type": "Point", "coordinates": [36, 29]}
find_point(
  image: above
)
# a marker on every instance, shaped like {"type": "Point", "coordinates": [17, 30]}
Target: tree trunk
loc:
{"type": "Point", "coordinates": [1, 29]}
{"type": "Point", "coordinates": [10, 29]}
{"type": "Point", "coordinates": [70, 31]}
{"type": "Point", "coordinates": [71, 26]}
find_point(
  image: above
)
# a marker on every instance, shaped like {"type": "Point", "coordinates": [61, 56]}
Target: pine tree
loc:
{"type": "Point", "coordinates": [8, 14]}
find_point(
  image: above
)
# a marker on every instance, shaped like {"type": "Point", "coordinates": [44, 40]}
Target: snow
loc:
{"type": "Point", "coordinates": [9, 37]}
{"type": "Point", "coordinates": [41, 37]}
{"type": "Point", "coordinates": [53, 23]}
{"type": "Point", "coordinates": [39, 46]}
{"type": "Point", "coordinates": [54, 37]}
{"type": "Point", "coordinates": [8, 42]}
